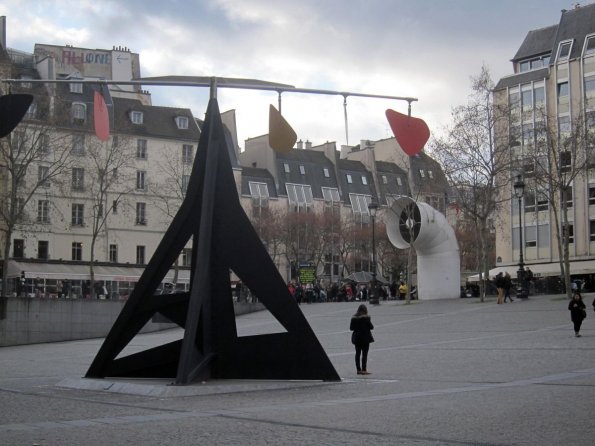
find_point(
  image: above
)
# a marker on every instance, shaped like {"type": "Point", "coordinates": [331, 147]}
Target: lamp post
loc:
{"type": "Point", "coordinates": [519, 190]}
{"type": "Point", "coordinates": [374, 298]}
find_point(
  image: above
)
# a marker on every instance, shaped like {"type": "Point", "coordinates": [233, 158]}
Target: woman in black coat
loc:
{"type": "Point", "coordinates": [361, 325]}
{"type": "Point", "coordinates": [577, 313]}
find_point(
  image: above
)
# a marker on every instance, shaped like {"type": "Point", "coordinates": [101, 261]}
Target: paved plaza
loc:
{"type": "Point", "coordinates": [451, 372]}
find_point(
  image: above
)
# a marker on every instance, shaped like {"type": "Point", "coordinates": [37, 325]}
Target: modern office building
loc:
{"type": "Point", "coordinates": [549, 102]}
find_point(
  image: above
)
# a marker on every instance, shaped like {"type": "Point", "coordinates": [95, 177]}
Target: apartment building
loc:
{"type": "Point", "coordinates": [110, 202]}
{"type": "Point", "coordinates": [549, 101]}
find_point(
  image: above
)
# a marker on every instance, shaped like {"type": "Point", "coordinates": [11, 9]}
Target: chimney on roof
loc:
{"type": "Point", "coordinates": [300, 144]}
{"type": "Point", "coordinates": [308, 145]}
{"type": "Point", "coordinates": [3, 32]}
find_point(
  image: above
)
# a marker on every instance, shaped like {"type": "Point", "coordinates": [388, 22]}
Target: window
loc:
{"type": "Point", "coordinates": [43, 211]}
{"type": "Point", "coordinates": [78, 211]}
{"type": "Point", "coordinates": [530, 236]}
{"type": "Point", "coordinates": [115, 173]}
{"type": "Point", "coordinates": [422, 173]}
{"type": "Point", "coordinates": [527, 100]}
{"type": "Point", "coordinates": [564, 50]}
{"type": "Point", "coordinates": [302, 169]}
{"type": "Point", "coordinates": [141, 180]}
{"type": "Point", "coordinates": [563, 91]}
{"type": "Point", "coordinates": [525, 66]}
{"type": "Point", "coordinates": [76, 87]}
{"type": "Point", "coordinates": [330, 194]}
{"type": "Point", "coordinates": [384, 179]}
{"type": "Point", "coordinates": [19, 206]}
{"type": "Point", "coordinates": [591, 194]}
{"type": "Point", "coordinates": [187, 153]}
{"type": "Point", "coordinates": [136, 117]}
{"type": "Point", "coordinates": [77, 251]}
{"type": "Point", "coordinates": [359, 203]}
{"type": "Point", "coordinates": [140, 255]}
{"type": "Point", "coordinates": [141, 149]}
{"type": "Point", "coordinates": [539, 96]}
{"type": "Point", "coordinates": [399, 181]}
{"type": "Point", "coordinates": [590, 91]}
{"type": "Point", "coordinates": [431, 174]}
{"type": "Point", "coordinates": [42, 176]}
{"type": "Point", "coordinates": [528, 135]}
{"type": "Point", "coordinates": [565, 159]}
{"type": "Point", "coordinates": [182, 122]}
{"type": "Point", "coordinates": [567, 192]}
{"type": "Point", "coordinates": [185, 182]}
{"type": "Point", "coordinates": [115, 206]}
{"type": "Point", "coordinates": [141, 217]}
{"type": "Point", "coordinates": [259, 193]}
{"type": "Point", "coordinates": [43, 249]}
{"type": "Point", "coordinates": [564, 126]}
{"type": "Point", "coordinates": [349, 179]}
{"type": "Point", "coordinates": [592, 230]}
{"type": "Point", "coordinates": [534, 63]}
{"type": "Point", "coordinates": [299, 196]}
{"type": "Point", "coordinates": [542, 199]}
{"type": "Point", "coordinates": [18, 248]}
{"type": "Point", "coordinates": [43, 145]}
{"type": "Point", "coordinates": [570, 231]}
{"type": "Point", "coordinates": [589, 45]}
{"type": "Point", "coordinates": [326, 172]}
{"type": "Point", "coordinates": [79, 112]}
{"type": "Point", "coordinates": [186, 256]}
{"type": "Point", "coordinates": [364, 180]}
{"type": "Point", "coordinates": [78, 145]}
{"type": "Point", "coordinates": [31, 111]}
{"type": "Point", "coordinates": [286, 167]}
{"type": "Point", "coordinates": [113, 253]}
{"type": "Point", "coordinates": [529, 200]}
{"type": "Point", "coordinates": [78, 178]}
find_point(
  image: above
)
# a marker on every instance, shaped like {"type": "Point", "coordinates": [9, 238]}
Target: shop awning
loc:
{"type": "Point", "coordinates": [543, 269]}
{"type": "Point", "coordinates": [81, 272]}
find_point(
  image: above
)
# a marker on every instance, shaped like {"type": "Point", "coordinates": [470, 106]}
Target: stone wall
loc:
{"type": "Point", "coordinates": [34, 321]}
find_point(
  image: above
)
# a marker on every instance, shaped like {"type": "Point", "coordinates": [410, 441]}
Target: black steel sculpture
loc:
{"type": "Point", "coordinates": [223, 239]}
{"type": "Point", "coordinates": [13, 108]}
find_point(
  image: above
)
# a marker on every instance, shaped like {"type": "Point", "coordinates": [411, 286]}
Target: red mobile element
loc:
{"type": "Point", "coordinates": [411, 133]}
{"type": "Point", "coordinates": [101, 117]}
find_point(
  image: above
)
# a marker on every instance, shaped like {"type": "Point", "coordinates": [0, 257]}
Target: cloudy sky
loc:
{"type": "Point", "coordinates": [426, 49]}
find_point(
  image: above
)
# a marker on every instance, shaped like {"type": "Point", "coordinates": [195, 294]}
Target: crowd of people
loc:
{"type": "Point", "coordinates": [346, 292]}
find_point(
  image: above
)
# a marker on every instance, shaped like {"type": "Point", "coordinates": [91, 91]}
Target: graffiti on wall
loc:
{"type": "Point", "coordinates": [75, 57]}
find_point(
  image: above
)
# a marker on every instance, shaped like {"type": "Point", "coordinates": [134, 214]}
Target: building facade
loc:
{"type": "Point", "coordinates": [107, 204]}
{"type": "Point", "coordinates": [549, 101]}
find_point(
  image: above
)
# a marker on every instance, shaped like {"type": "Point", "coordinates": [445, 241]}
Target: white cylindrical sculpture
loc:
{"type": "Point", "coordinates": [411, 223]}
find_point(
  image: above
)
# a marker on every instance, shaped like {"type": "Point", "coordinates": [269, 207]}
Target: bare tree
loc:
{"type": "Point", "coordinates": [108, 183]}
{"type": "Point", "coordinates": [32, 157]}
{"type": "Point", "coordinates": [472, 163]}
{"type": "Point", "coordinates": [552, 163]}
{"type": "Point", "coordinates": [169, 193]}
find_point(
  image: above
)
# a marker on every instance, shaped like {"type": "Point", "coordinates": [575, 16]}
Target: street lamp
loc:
{"type": "Point", "coordinates": [373, 208]}
{"type": "Point", "coordinates": [519, 190]}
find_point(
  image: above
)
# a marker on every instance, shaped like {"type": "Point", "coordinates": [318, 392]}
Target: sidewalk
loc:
{"type": "Point", "coordinates": [443, 373]}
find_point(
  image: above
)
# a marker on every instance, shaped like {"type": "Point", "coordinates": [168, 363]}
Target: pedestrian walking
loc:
{"type": "Point", "coordinates": [361, 325]}
{"type": "Point", "coordinates": [500, 283]}
{"type": "Point", "coordinates": [507, 286]}
{"type": "Point", "coordinates": [578, 313]}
